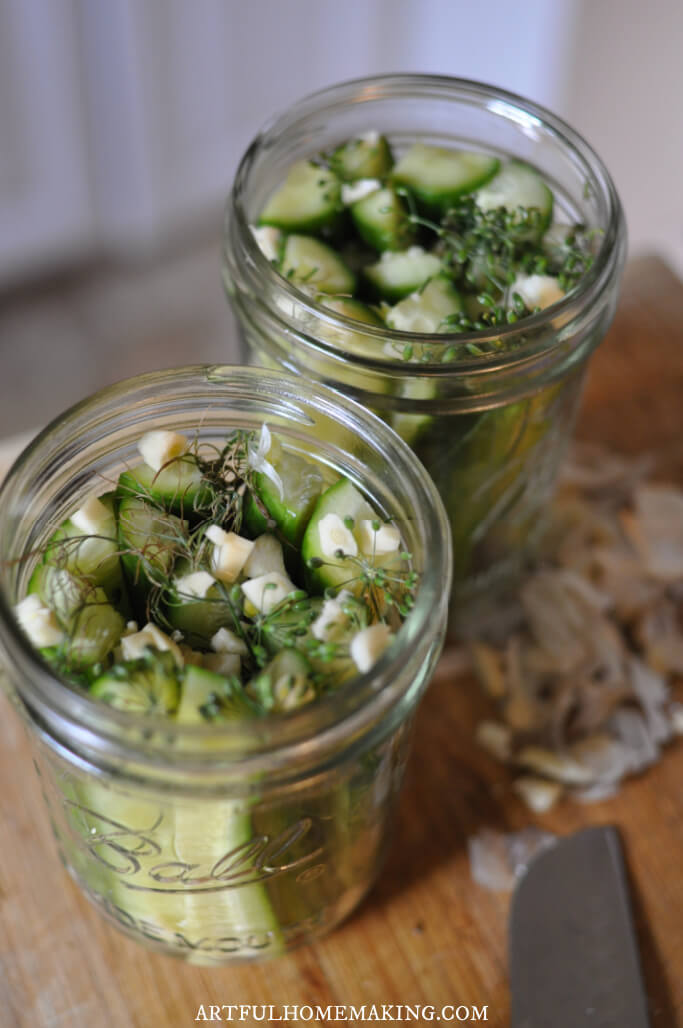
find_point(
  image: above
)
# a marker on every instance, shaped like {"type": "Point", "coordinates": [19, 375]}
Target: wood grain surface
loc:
{"type": "Point", "coordinates": [427, 934]}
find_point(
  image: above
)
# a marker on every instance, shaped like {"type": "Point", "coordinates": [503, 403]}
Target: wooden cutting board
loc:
{"type": "Point", "coordinates": [427, 934]}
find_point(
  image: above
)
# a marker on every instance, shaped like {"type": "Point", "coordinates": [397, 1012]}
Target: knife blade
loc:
{"type": "Point", "coordinates": [572, 946]}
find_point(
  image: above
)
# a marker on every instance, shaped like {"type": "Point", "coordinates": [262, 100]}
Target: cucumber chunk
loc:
{"type": "Point", "coordinates": [308, 201]}
{"type": "Point", "coordinates": [427, 310]}
{"type": "Point", "coordinates": [437, 176]}
{"type": "Point", "coordinates": [284, 683]}
{"type": "Point", "coordinates": [302, 484]}
{"type": "Point", "coordinates": [396, 275]}
{"type": "Point", "coordinates": [344, 500]}
{"type": "Point", "coordinates": [518, 185]}
{"type": "Point", "coordinates": [150, 541]}
{"type": "Point", "coordinates": [284, 628]}
{"type": "Point", "coordinates": [411, 427]}
{"type": "Point", "coordinates": [179, 487]}
{"type": "Point", "coordinates": [206, 696]}
{"type": "Point", "coordinates": [199, 618]}
{"type": "Point", "coordinates": [91, 556]}
{"type": "Point", "coordinates": [148, 685]}
{"type": "Point", "coordinates": [309, 263]}
{"type": "Point", "coordinates": [350, 308]}
{"type": "Point", "coordinates": [381, 219]}
{"type": "Point", "coordinates": [368, 156]}
{"type": "Point", "coordinates": [91, 624]}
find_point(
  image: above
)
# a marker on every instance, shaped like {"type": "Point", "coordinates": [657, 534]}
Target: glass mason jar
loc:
{"type": "Point", "coordinates": [489, 413]}
{"type": "Point", "coordinates": [226, 842]}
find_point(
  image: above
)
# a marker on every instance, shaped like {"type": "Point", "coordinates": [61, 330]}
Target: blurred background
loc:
{"type": "Point", "coordinates": [121, 122]}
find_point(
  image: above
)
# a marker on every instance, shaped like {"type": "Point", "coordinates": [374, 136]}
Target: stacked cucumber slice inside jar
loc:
{"type": "Point", "coordinates": [215, 583]}
{"type": "Point", "coordinates": [397, 250]}
{"type": "Point", "coordinates": [439, 241]}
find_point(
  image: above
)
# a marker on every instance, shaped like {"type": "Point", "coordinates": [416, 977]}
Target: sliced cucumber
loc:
{"type": "Point", "coordinates": [149, 541]}
{"type": "Point", "coordinates": [302, 483]}
{"type": "Point", "coordinates": [427, 310]}
{"type": "Point", "coordinates": [368, 156]}
{"type": "Point", "coordinates": [342, 499]}
{"type": "Point", "coordinates": [145, 686]}
{"type": "Point", "coordinates": [308, 201]}
{"type": "Point", "coordinates": [347, 340]}
{"type": "Point", "coordinates": [436, 176]}
{"type": "Point", "coordinates": [396, 275]}
{"type": "Point", "coordinates": [311, 264]}
{"type": "Point", "coordinates": [350, 308]}
{"type": "Point", "coordinates": [91, 624]}
{"type": "Point", "coordinates": [411, 426]}
{"type": "Point", "coordinates": [179, 487]}
{"type": "Point", "coordinates": [206, 696]}
{"type": "Point", "coordinates": [199, 618]}
{"type": "Point", "coordinates": [518, 185]}
{"type": "Point", "coordinates": [213, 835]}
{"type": "Point", "coordinates": [91, 556]}
{"type": "Point", "coordinates": [381, 219]}
{"type": "Point", "coordinates": [290, 627]}
{"type": "Point", "coordinates": [284, 683]}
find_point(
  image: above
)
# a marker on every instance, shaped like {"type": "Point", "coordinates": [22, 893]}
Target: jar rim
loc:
{"type": "Point", "coordinates": [318, 725]}
{"type": "Point", "coordinates": [507, 104]}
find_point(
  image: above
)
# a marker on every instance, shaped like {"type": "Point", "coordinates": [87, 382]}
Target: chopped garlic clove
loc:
{"type": "Point", "coordinates": [196, 584]}
{"type": "Point", "coordinates": [330, 621]}
{"type": "Point", "coordinates": [334, 536]}
{"type": "Point", "coordinates": [676, 717]}
{"type": "Point", "coordinates": [495, 738]}
{"type": "Point", "coordinates": [488, 666]}
{"type": "Point", "coordinates": [368, 645]}
{"type": "Point", "coordinates": [537, 290]}
{"type": "Point", "coordinates": [385, 539]}
{"type": "Point", "coordinates": [265, 557]}
{"type": "Point", "coordinates": [159, 447]}
{"type": "Point", "coordinates": [268, 240]}
{"type": "Point", "coordinates": [225, 641]}
{"type": "Point", "coordinates": [538, 794]}
{"type": "Point", "coordinates": [134, 646]}
{"type": "Point", "coordinates": [92, 517]}
{"type": "Point", "coordinates": [291, 691]}
{"type": "Point", "coordinates": [352, 192]}
{"type": "Point", "coordinates": [230, 553]}
{"type": "Point", "coordinates": [223, 663]}
{"type": "Point", "coordinates": [38, 622]}
{"type": "Point", "coordinates": [558, 766]}
{"type": "Point", "coordinates": [267, 591]}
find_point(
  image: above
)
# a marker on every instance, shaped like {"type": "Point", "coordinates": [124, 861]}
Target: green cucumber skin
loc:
{"type": "Point", "coordinates": [530, 180]}
{"type": "Point", "coordinates": [145, 574]}
{"type": "Point", "coordinates": [380, 285]}
{"type": "Point", "coordinates": [199, 619]}
{"type": "Point", "coordinates": [321, 192]}
{"type": "Point", "coordinates": [343, 499]}
{"type": "Point", "coordinates": [381, 219]}
{"type": "Point", "coordinates": [95, 560]}
{"type": "Point", "coordinates": [437, 199]}
{"type": "Point", "coordinates": [177, 488]}
{"type": "Point", "coordinates": [357, 159]}
{"type": "Point", "coordinates": [309, 263]}
{"type": "Point", "coordinates": [290, 517]}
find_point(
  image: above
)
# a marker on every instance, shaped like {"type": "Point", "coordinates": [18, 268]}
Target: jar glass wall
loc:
{"type": "Point", "coordinates": [233, 841]}
{"type": "Point", "coordinates": [488, 413]}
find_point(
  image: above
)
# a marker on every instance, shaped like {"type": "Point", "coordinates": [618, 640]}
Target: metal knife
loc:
{"type": "Point", "coordinates": [572, 946]}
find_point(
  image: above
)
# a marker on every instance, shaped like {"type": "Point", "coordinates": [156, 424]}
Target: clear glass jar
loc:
{"type": "Point", "coordinates": [492, 428]}
{"type": "Point", "coordinates": [225, 842]}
